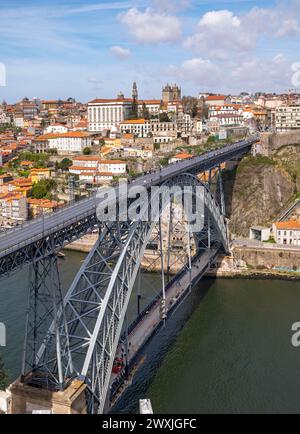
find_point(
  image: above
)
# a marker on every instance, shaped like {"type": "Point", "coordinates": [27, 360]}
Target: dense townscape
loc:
{"type": "Point", "coordinates": [52, 152]}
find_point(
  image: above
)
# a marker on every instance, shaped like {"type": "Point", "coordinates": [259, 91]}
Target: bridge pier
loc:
{"type": "Point", "coordinates": [25, 399]}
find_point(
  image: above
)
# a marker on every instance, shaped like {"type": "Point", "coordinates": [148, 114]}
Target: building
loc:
{"type": "Point", "coordinates": [95, 165]}
{"type": "Point", "coordinates": [104, 114]}
{"type": "Point", "coordinates": [227, 119]}
{"type": "Point", "coordinates": [287, 118]}
{"type": "Point", "coordinates": [180, 157]}
{"type": "Point", "coordinates": [13, 207]}
{"type": "Point", "coordinates": [37, 175]}
{"type": "Point", "coordinates": [56, 129]}
{"type": "Point", "coordinates": [87, 161]}
{"type": "Point", "coordinates": [137, 127]}
{"type": "Point", "coordinates": [38, 207]}
{"type": "Point", "coordinates": [260, 233]}
{"type": "Point", "coordinates": [91, 177]}
{"type": "Point", "coordinates": [171, 93]}
{"type": "Point", "coordinates": [219, 100]}
{"type": "Point", "coordinates": [116, 167]}
{"type": "Point", "coordinates": [64, 143]}
{"type": "Point", "coordinates": [152, 106]}
{"type": "Point", "coordinates": [287, 232]}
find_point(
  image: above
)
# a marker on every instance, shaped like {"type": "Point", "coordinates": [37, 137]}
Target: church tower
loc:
{"type": "Point", "coordinates": [135, 94]}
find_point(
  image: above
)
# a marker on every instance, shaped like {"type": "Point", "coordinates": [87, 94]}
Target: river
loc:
{"type": "Point", "coordinates": [227, 349]}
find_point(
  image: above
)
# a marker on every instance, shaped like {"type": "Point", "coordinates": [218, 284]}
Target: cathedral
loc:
{"type": "Point", "coordinates": [171, 93]}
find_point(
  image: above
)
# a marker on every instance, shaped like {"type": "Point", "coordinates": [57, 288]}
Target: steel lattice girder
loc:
{"type": "Point", "coordinates": [96, 303]}
{"type": "Point", "coordinates": [73, 222]}
{"type": "Point", "coordinates": [46, 246]}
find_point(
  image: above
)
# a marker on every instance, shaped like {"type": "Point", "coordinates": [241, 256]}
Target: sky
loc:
{"type": "Point", "coordinates": [94, 49]}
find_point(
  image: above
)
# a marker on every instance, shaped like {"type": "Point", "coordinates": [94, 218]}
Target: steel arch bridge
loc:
{"type": "Point", "coordinates": [76, 335]}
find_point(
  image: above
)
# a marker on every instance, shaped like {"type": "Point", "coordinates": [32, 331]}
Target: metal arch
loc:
{"type": "Point", "coordinates": [96, 303]}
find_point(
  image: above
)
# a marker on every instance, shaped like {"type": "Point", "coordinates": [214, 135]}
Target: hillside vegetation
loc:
{"type": "Point", "coordinates": [259, 188]}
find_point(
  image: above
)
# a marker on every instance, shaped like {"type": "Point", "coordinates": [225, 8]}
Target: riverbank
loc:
{"type": "Point", "coordinates": [254, 274]}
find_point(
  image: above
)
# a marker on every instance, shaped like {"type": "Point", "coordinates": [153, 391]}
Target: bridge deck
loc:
{"type": "Point", "coordinates": [28, 233]}
{"type": "Point", "coordinates": [149, 322]}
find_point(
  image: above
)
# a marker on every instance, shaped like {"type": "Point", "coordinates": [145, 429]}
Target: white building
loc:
{"type": "Point", "coordinates": [92, 177]}
{"type": "Point", "coordinates": [64, 143]}
{"type": "Point", "coordinates": [137, 127]}
{"type": "Point", "coordinates": [95, 165]}
{"type": "Point", "coordinates": [180, 157]}
{"type": "Point", "coordinates": [56, 129]}
{"type": "Point", "coordinates": [116, 167]}
{"type": "Point", "coordinates": [287, 118]}
{"type": "Point", "coordinates": [87, 161]}
{"type": "Point", "coordinates": [287, 232]}
{"type": "Point", "coordinates": [104, 114]}
{"type": "Point", "coordinates": [227, 119]}
{"type": "Point", "coordinates": [152, 105]}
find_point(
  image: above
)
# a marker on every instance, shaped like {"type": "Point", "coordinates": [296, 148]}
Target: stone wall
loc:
{"type": "Point", "coordinates": [270, 142]}
{"type": "Point", "coordinates": [268, 257]}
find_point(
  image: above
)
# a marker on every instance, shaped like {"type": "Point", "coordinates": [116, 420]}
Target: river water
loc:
{"type": "Point", "coordinates": [227, 349]}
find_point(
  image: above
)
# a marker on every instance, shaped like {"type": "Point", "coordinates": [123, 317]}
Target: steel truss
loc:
{"type": "Point", "coordinates": [84, 329]}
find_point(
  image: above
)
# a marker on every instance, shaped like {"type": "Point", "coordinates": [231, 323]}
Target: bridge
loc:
{"type": "Point", "coordinates": [76, 335]}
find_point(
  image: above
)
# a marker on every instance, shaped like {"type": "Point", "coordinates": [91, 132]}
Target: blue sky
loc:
{"type": "Point", "coordinates": [88, 49]}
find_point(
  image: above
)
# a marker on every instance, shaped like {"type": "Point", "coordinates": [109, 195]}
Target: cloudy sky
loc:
{"type": "Point", "coordinates": [88, 49]}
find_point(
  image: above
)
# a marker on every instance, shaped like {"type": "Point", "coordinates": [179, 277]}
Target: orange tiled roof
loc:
{"type": "Point", "coordinates": [86, 158]}
{"type": "Point", "coordinates": [289, 225]}
{"type": "Point", "coordinates": [71, 134]}
{"type": "Point", "coordinates": [134, 121]}
{"type": "Point", "coordinates": [216, 97]}
{"type": "Point", "coordinates": [43, 203]}
{"type": "Point", "coordinates": [183, 156]}
{"type": "Point", "coordinates": [107, 101]}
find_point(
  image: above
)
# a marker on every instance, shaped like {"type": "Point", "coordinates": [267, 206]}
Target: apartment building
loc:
{"type": "Point", "coordinates": [137, 127]}
{"type": "Point", "coordinates": [13, 207]}
{"type": "Point", "coordinates": [287, 118]}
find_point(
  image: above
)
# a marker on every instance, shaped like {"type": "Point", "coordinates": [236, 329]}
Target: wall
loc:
{"type": "Point", "coordinates": [271, 142]}
{"type": "Point", "coordinates": [268, 257]}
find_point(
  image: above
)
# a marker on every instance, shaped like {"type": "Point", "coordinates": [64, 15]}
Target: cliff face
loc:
{"type": "Point", "coordinates": [259, 189]}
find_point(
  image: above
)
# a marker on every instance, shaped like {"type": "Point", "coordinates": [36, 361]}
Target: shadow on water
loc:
{"type": "Point", "coordinates": [157, 349]}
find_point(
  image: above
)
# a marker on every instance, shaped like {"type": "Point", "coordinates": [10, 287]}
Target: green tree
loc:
{"type": "Point", "coordinates": [65, 164]}
{"type": "Point", "coordinates": [87, 151]}
{"type": "Point", "coordinates": [145, 112]}
{"type": "Point", "coordinates": [43, 189]}
{"type": "Point", "coordinates": [3, 375]}
{"type": "Point", "coordinates": [163, 117]}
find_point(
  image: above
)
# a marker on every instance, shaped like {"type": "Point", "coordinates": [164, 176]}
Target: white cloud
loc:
{"type": "Point", "coordinates": [234, 76]}
{"type": "Point", "coordinates": [198, 71]}
{"type": "Point", "coordinates": [120, 52]}
{"type": "Point", "coordinates": [220, 34]}
{"type": "Point", "coordinates": [151, 27]}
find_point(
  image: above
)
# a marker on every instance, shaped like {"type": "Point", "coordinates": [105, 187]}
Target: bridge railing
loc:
{"type": "Point", "coordinates": [160, 174]}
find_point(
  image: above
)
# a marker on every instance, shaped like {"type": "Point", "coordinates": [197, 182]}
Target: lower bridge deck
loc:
{"type": "Point", "coordinates": [150, 320]}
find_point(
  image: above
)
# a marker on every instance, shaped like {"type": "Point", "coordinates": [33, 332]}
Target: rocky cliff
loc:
{"type": "Point", "coordinates": [259, 188]}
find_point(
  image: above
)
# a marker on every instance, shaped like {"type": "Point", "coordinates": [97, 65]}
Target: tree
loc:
{"type": "Point", "coordinates": [87, 151]}
{"type": "Point", "coordinates": [3, 375]}
{"type": "Point", "coordinates": [65, 164]}
{"type": "Point", "coordinates": [163, 117]}
{"type": "Point", "coordinates": [145, 112]}
{"type": "Point", "coordinates": [43, 189]}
